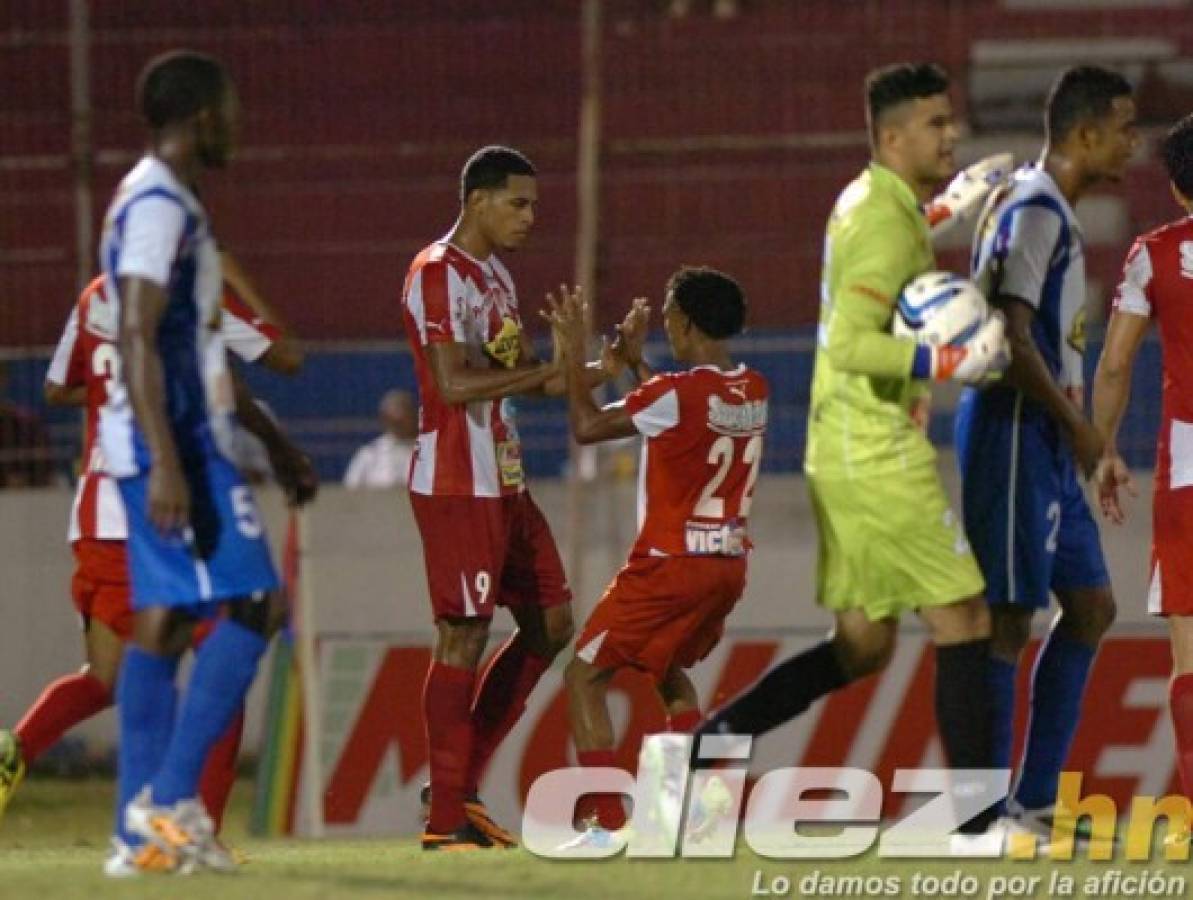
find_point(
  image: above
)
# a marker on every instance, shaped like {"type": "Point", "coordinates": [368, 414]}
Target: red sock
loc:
{"type": "Point", "coordinates": [684, 722]}
{"type": "Point", "coordinates": [500, 701]}
{"type": "Point", "coordinates": [447, 701]}
{"type": "Point", "coordinates": [219, 772]}
{"type": "Point", "coordinates": [607, 808]}
{"type": "Point", "coordinates": [62, 705]}
{"type": "Point", "coordinates": [1180, 703]}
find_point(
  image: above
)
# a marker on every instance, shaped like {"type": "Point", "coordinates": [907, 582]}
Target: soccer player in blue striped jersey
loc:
{"type": "Point", "coordinates": [169, 433]}
{"type": "Point", "coordinates": [1022, 442]}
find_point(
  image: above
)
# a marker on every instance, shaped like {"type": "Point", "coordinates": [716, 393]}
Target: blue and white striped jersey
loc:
{"type": "Point", "coordinates": [1029, 245]}
{"type": "Point", "coordinates": [156, 229]}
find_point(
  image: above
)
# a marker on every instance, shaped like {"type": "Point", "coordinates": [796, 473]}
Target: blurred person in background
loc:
{"type": "Point", "coordinates": [24, 449]}
{"type": "Point", "coordinates": [384, 462]}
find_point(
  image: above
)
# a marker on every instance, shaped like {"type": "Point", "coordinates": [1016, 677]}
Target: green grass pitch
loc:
{"type": "Point", "coordinates": [54, 837]}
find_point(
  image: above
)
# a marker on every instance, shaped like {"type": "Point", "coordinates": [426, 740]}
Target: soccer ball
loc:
{"type": "Point", "coordinates": [940, 308]}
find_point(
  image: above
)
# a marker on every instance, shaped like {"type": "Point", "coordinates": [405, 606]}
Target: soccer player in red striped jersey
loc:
{"type": "Point", "coordinates": [1157, 286]}
{"type": "Point", "coordinates": [703, 431]}
{"type": "Point", "coordinates": [485, 542]}
{"type": "Point", "coordinates": [84, 362]}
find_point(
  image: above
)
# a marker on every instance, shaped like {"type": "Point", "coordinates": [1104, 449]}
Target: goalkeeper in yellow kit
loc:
{"type": "Point", "coordinates": [888, 540]}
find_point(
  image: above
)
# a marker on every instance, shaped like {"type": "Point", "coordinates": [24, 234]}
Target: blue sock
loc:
{"type": "Point", "coordinates": [1057, 686]}
{"type": "Point", "coordinates": [1000, 675]}
{"type": "Point", "coordinates": [224, 669]}
{"type": "Point", "coordinates": [146, 697]}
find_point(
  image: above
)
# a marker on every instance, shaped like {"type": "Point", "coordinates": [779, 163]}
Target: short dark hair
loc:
{"type": "Point", "coordinates": [1178, 155]}
{"type": "Point", "coordinates": [1081, 94]}
{"type": "Point", "coordinates": [711, 299]}
{"type": "Point", "coordinates": [491, 167]}
{"type": "Point", "coordinates": [176, 85]}
{"type": "Point", "coordinates": [889, 86]}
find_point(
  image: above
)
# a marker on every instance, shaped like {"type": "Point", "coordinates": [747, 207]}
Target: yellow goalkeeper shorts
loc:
{"type": "Point", "coordinates": [890, 544]}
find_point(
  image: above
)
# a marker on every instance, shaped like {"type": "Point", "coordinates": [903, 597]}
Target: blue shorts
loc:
{"type": "Point", "coordinates": [224, 554]}
{"type": "Point", "coordinates": [1025, 512]}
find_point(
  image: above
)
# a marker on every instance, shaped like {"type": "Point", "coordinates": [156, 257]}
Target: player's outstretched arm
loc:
{"type": "Point", "coordinates": [1112, 388]}
{"type": "Point", "coordinates": [590, 424]}
{"type": "Point", "coordinates": [959, 203]}
{"type": "Point", "coordinates": [625, 352]}
{"type": "Point", "coordinates": [1029, 373]}
{"type": "Point", "coordinates": [284, 355]}
{"type": "Point", "coordinates": [596, 373]}
{"type": "Point", "coordinates": [630, 343]}
{"type": "Point", "coordinates": [143, 302]}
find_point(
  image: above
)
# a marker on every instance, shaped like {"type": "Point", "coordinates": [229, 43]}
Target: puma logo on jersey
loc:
{"type": "Point", "coordinates": [737, 391]}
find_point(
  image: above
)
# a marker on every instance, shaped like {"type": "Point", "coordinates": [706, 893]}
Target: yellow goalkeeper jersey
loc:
{"type": "Point", "coordinates": [859, 424]}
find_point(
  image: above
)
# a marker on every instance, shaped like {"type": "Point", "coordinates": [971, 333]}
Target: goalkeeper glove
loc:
{"type": "Point", "coordinates": [982, 358]}
{"type": "Point", "coordinates": [960, 201]}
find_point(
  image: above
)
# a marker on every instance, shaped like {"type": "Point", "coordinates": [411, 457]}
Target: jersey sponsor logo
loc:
{"type": "Point", "coordinates": [509, 462]}
{"type": "Point", "coordinates": [715, 539]}
{"type": "Point", "coordinates": [736, 418]}
{"type": "Point", "coordinates": [1187, 259]}
{"type": "Point", "coordinates": [506, 345]}
{"type": "Point", "coordinates": [1076, 336]}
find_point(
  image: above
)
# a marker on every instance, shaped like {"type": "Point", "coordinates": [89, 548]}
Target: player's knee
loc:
{"type": "Point", "coordinates": [859, 658]}
{"type": "Point", "coordinates": [252, 614]}
{"type": "Point", "coordinates": [579, 676]}
{"type": "Point", "coordinates": [1009, 634]}
{"type": "Point", "coordinates": [102, 671]}
{"type": "Point", "coordinates": [1096, 615]}
{"type": "Point", "coordinates": [559, 632]}
{"type": "Point", "coordinates": [162, 632]}
{"type": "Point", "coordinates": [276, 613]}
{"type": "Point", "coordinates": [871, 659]}
{"type": "Point", "coordinates": [461, 642]}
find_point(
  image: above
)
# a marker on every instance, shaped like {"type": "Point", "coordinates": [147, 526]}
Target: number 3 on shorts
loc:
{"type": "Point", "coordinates": [244, 508]}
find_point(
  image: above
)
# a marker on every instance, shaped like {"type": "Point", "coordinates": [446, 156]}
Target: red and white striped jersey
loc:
{"type": "Point", "coordinates": [86, 357]}
{"type": "Point", "coordinates": [700, 460]}
{"type": "Point", "coordinates": [1158, 283]}
{"type": "Point", "coordinates": [468, 449]}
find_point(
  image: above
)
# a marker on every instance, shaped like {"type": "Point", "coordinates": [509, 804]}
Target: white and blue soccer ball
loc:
{"type": "Point", "coordinates": [940, 309]}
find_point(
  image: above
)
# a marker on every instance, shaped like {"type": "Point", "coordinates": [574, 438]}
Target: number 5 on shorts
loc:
{"type": "Point", "coordinates": [244, 508]}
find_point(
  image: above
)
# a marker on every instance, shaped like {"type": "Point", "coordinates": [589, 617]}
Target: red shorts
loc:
{"type": "Point", "coordinates": [1171, 590]}
{"type": "Point", "coordinates": [100, 587]}
{"type": "Point", "coordinates": [661, 612]}
{"type": "Point", "coordinates": [484, 552]}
